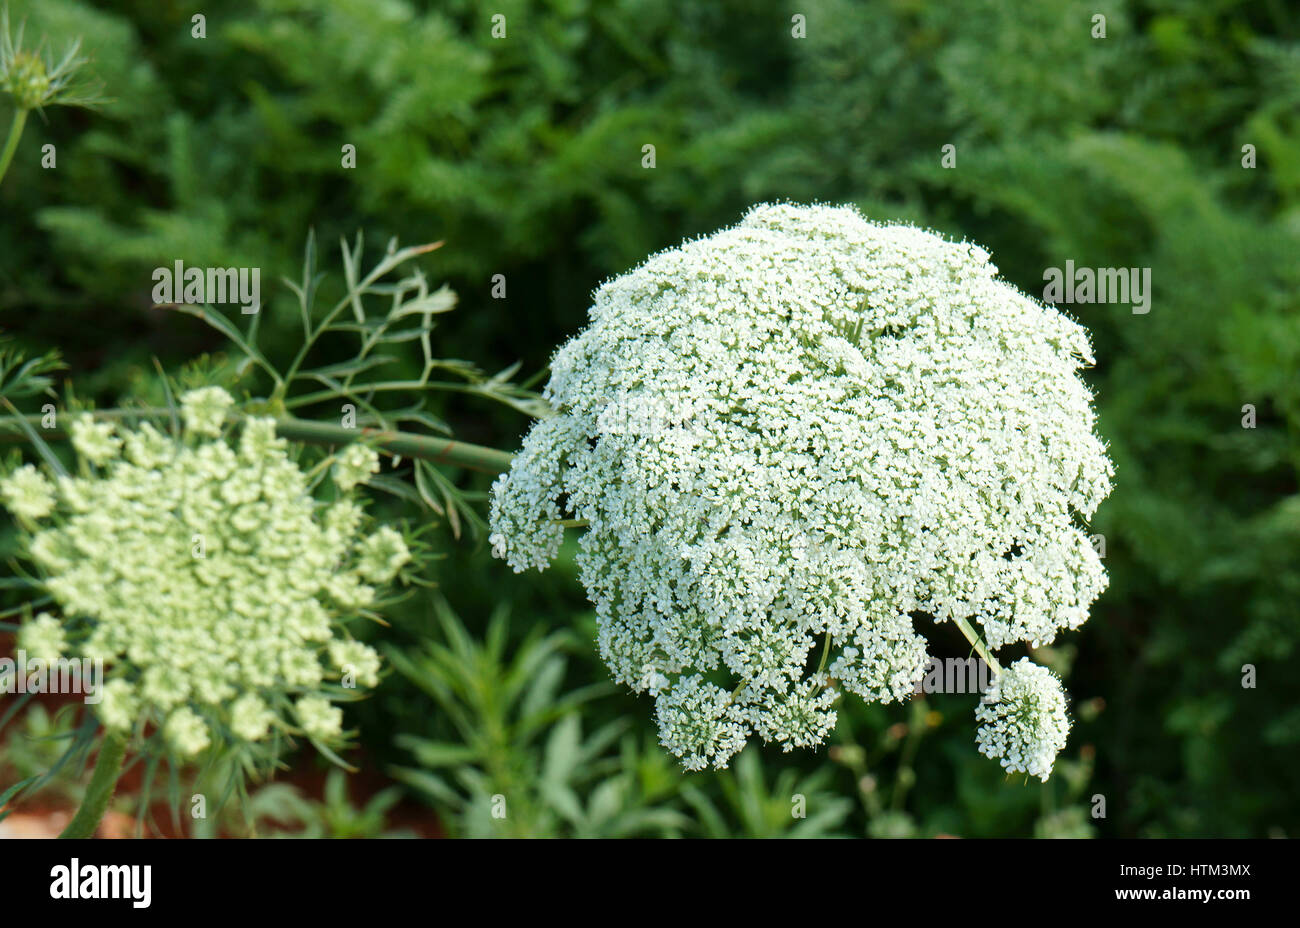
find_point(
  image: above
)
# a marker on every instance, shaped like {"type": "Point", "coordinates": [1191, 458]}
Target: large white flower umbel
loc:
{"type": "Point", "coordinates": [790, 440]}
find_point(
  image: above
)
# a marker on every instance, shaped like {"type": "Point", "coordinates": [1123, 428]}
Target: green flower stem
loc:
{"type": "Point", "coordinates": [905, 779]}
{"type": "Point", "coordinates": [436, 450]}
{"type": "Point", "coordinates": [11, 143]}
{"type": "Point", "coordinates": [978, 644]}
{"type": "Point", "coordinates": [108, 767]}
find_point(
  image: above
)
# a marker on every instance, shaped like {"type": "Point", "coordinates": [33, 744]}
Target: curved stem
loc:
{"type": "Point", "coordinates": [108, 767]}
{"type": "Point", "coordinates": [11, 143]}
{"type": "Point", "coordinates": [978, 644]}
{"type": "Point", "coordinates": [826, 651]}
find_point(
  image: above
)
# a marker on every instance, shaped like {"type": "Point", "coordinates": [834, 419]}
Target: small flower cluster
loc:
{"type": "Point", "coordinates": [35, 80]}
{"type": "Point", "coordinates": [790, 439]}
{"type": "Point", "coordinates": [1022, 719]}
{"type": "Point", "coordinates": [206, 576]}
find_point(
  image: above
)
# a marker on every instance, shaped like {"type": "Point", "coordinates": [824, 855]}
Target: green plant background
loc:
{"type": "Point", "coordinates": [525, 156]}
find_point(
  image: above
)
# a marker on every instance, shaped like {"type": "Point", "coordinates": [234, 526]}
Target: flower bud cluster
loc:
{"type": "Point", "coordinates": [206, 575]}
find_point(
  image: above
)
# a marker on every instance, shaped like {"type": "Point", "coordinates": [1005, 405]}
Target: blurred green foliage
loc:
{"type": "Point", "coordinates": [525, 155]}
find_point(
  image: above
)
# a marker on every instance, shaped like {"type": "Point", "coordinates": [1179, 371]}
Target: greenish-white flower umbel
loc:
{"type": "Point", "coordinates": [355, 465]}
{"type": "Point", "coordinates": [42, 637]}
{"type": "Point", "coordinates": [205, 410]}
{"type": "Point", "coordinates": [28, 493]}
{"type": "Point", "coordinates": [790, 442]}
{"type": "Point", "coordinates": [205, 574]}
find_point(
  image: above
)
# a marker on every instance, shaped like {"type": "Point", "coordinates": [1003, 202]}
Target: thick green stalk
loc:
{"type": "Point", "coordinates": [108, 767]}
{"type": "Point", "coordinates": [11, 143]}
{"type": "Point", "coordinates": [436, 450]}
